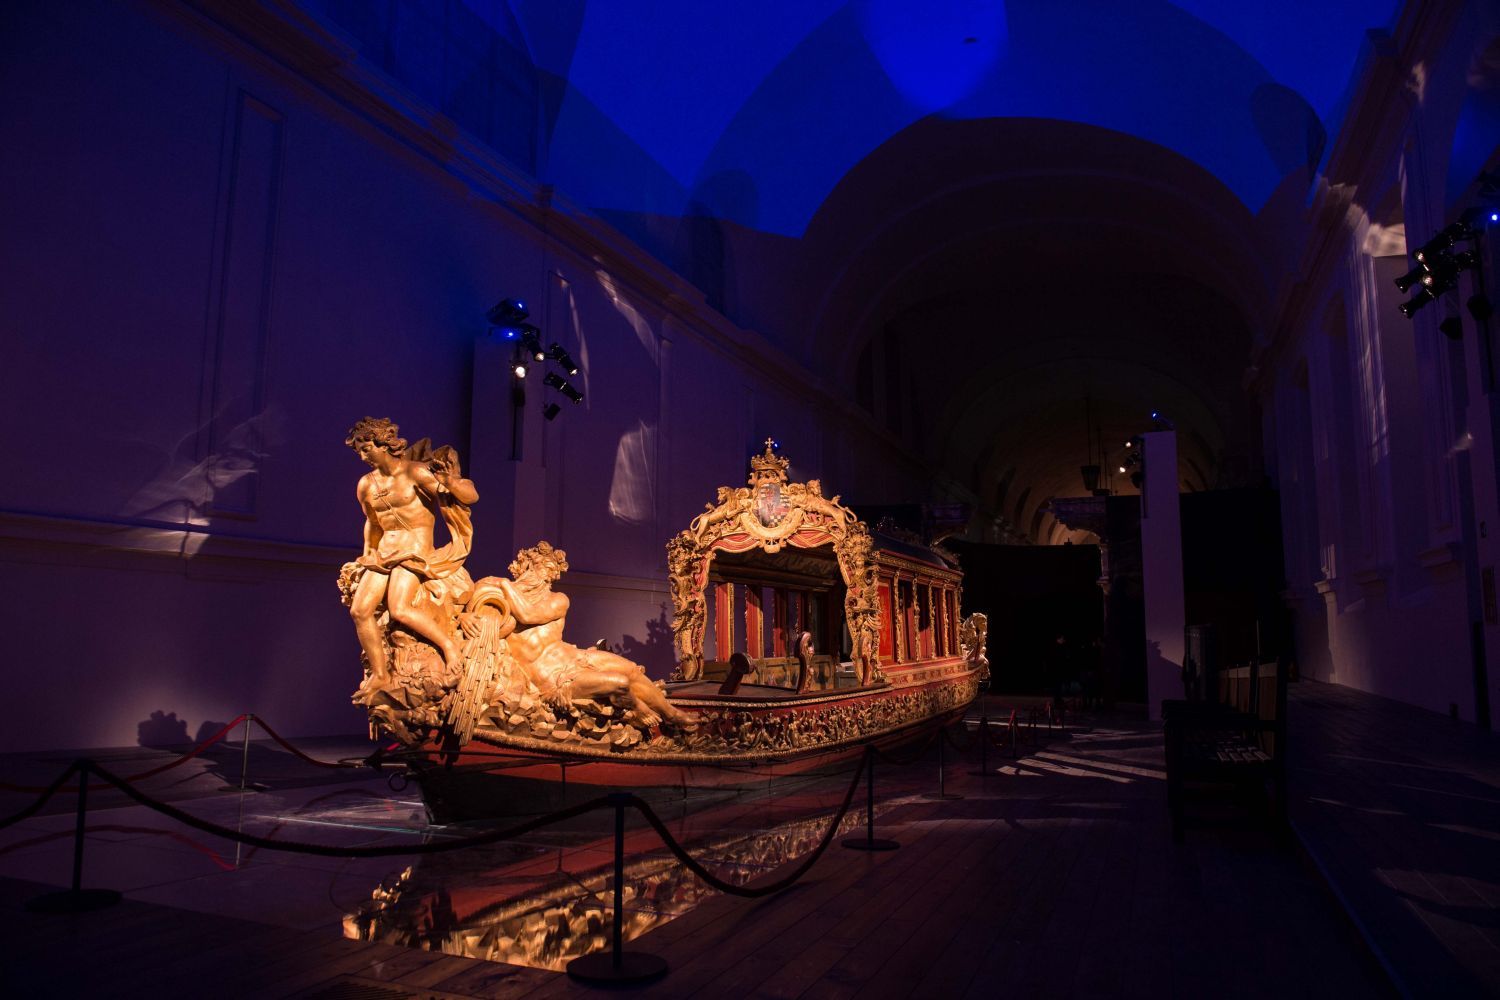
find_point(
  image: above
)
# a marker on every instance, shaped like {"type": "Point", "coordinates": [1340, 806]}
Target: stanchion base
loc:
{"type": "Point", "coordinates": [869, 844]}
{"type": "Point", "coordinates": [250, 786]}
{"type": "Point", "coordinates": [599, 969]}
{"type": "Point", "coordinates": [70, 901]}
{"type": "Point", "coordinates": [941, 796]}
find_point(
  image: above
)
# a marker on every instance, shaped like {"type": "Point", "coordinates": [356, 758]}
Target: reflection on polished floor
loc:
{"type": "Point", "coordinates": [1056, 876]}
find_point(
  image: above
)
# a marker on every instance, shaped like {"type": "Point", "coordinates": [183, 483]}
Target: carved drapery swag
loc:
{"type": "Point", "coordinates": [771, 513]}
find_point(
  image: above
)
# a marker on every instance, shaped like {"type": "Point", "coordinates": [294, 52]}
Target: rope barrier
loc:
{"type": "Point", "coordinates": [490, 837]}
{"type": "Point", "coordinates": [617, 967]}
{"type": "Point", "coordinates": [197, 751]}
{"type": "Point", "coordinates": [47, 792]}
{"type": "Point", "coordinates": [85, 767]}
{"type": "Point", "coordinates": [298, 753]}
{"type": "Point", "coordinates": [324, 850]}
{"type": "Point", "coordinates": [756, 892]}
{"type": "Point", "coordinates": [152, 772]}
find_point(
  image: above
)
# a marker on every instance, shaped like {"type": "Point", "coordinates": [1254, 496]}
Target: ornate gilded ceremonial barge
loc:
{"type": "Point", "coordinates": [800, 637]}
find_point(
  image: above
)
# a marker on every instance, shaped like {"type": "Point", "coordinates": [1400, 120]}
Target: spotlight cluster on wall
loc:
{"type": "Point", "coordinates": [508, 320]}
{"type": "Point", "coordinates": [1438, 268]}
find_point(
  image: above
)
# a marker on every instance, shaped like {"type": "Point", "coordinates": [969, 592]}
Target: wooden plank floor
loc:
{"type": "Point", "coordinates": [1401, 808]}
{"type": "Point", "coordinates": [1055, 877]}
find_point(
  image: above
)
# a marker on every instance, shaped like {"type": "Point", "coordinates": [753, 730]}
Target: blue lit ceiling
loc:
{"type": "Point", "coordinates": [1081, 196]}
{"type": "Point", "coordinates": [752, 113]}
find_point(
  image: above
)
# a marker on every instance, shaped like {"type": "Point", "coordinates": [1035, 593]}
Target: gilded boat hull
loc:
{"type": "Point", "coordinates": [759, 734]}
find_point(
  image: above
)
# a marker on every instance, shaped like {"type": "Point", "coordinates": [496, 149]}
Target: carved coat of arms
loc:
{"type": "Point", "coordinates": [770, 506]}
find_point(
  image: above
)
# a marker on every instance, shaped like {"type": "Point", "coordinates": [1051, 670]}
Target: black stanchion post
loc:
{"type": "Point", "coordinates": [619, 967]}
{"type": "Point", "coordinates": [984, 748]}
{"type": "Point", "coordinates": [869, 842]}
{"type": "Point", "coordinates": [942, 792]}
{"type": "Point", "coordinates": [77, 899]}
{"type": "Point", "coordinates": [245, 784]}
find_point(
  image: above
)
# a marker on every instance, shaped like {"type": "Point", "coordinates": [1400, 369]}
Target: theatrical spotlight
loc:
{"type": "Point", "coordinates": [1442, 241]}
{"type": "Point", "coordinates": [1161, 423]}
{"type": "Point", "coordinates": [518, 368]}
{"type": "Point", "coordinates": [551, 410]}
{"type": "Point", "coordinates": [1410, 306]}
{"type": "Point", "coordinates": [1437, 271]}
{"type": "Point", "coordinates": [556, 353]}
{"type": "Point", "coordinates": [532, 343]}
{"type": "Point", "coordinates": [563, 386]}
{"type": "Point", "coordinates": [509, 312]}
{"type": "Point", "coordinates": [1452, 327]}
{"type": "Point", "coordinates": [1442, 276]}
{"type": "Point", "coordinates": [1404, 283]}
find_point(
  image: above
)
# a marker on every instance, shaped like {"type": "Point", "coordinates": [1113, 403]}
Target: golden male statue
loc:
{"type": "Point", "coordinates": [561, 671]}
{"type": "Point", "coordinates": [421, 585]}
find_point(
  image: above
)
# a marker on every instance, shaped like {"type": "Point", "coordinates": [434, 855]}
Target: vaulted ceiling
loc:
{"type": "Point", "coordinates": [1028, 210]}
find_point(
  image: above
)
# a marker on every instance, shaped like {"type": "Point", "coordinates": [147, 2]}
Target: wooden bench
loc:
{"type": "Point", "coordinates": [1238, 740]}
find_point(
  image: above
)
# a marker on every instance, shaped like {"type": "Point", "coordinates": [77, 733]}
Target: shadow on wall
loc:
{"type": "Point", "coordinates": [1158, 665]}
{"type": "Point", "coordinates": [165, 731]}
{"type": "Point", "coordinates": [655, 651]}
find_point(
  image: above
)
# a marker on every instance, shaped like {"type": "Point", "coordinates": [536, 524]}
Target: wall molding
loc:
{"type": "Point", "coordinates": [178, 542]}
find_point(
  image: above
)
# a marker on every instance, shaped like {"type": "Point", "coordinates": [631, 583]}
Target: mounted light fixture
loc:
{"type": "Point", "coordinates": [1416, 302]}
{"type": "Point", "coordinates": [563, 386]}
{"type": "Point", "coordinates": [507, 312]}
{"type": "Point", "coordinates": [1437, 269]}
{"type": "Point", "coordinates": [556, 353]}
{"type": "Point", "coordinates": [1443, 241]}
{"type": "Point", "coordinates": [508, 319]}
{"type": "Point", "coordinates": [1404, 283]}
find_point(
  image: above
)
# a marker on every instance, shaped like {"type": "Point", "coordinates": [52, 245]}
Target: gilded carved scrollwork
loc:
{"type": "Point", "coordinates": [770, 513]}
{"type": "Point", "coordinates": [973, 632]}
